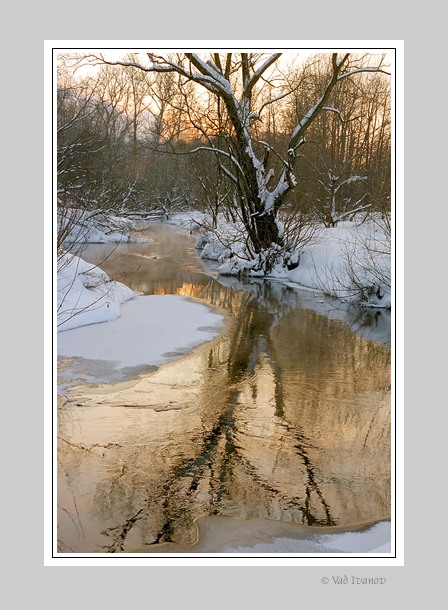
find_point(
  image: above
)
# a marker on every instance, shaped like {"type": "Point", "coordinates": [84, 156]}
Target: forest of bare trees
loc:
{"type": "Point", "coordinates": [270, 142]}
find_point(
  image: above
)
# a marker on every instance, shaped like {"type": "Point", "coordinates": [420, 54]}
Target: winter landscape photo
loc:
{"type": "Point", "coordinates": [224, 299]}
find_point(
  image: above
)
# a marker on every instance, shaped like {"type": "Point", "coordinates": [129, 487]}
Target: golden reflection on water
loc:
{"type": "Point", "coordinates": [290, 442]}
{"type": "Point", "coordinates": [285, 417]}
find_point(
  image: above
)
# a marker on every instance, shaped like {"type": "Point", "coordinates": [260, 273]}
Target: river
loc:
{"type": "Point", "coordinates": [285, 418]}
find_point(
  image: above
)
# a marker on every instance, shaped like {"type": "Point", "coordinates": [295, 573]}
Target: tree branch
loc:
{"type": "Point", "coordinates": [251, 82]}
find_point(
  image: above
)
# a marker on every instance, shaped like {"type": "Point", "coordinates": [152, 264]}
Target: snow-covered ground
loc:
{"type": "Point", "coordinates": [351, 261]}
{"type": "Point", "coordinates": [86, 295]}
{"type": "Point", "coordinates": [150, 330]}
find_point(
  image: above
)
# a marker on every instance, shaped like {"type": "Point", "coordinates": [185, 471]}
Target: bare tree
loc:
{"type": "Point", "coordinates": [346, 166]}
{"type": "Point", "coordinates": [234, 81]}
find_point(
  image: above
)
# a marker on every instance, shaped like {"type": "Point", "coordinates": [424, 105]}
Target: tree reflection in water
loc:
{"type": "Point", "coordinates": [286, 417]}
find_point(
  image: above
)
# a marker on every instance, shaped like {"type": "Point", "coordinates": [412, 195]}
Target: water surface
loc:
{"type": "Point", "coordinates": [286, 417]}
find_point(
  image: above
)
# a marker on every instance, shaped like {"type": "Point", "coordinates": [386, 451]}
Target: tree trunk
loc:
{"type": "Point", "coordinates": [264, 232]}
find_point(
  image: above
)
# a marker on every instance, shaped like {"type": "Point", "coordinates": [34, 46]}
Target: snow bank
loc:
{"type": "Point", "coordinates": [86, 295]}
{"type": "Point", "coordinates": [350, 262]}
{"type": "Point", "coordinates": [97, 227]}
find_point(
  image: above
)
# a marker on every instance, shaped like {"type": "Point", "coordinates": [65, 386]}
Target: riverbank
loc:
{"type": "Point", "coordinates": [349, 265]}
{"type": "Point", "coordinates": [350, 262]}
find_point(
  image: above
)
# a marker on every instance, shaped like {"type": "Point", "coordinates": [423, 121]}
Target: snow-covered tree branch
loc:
{"type": "Point", "coordinates": [235, 83]}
